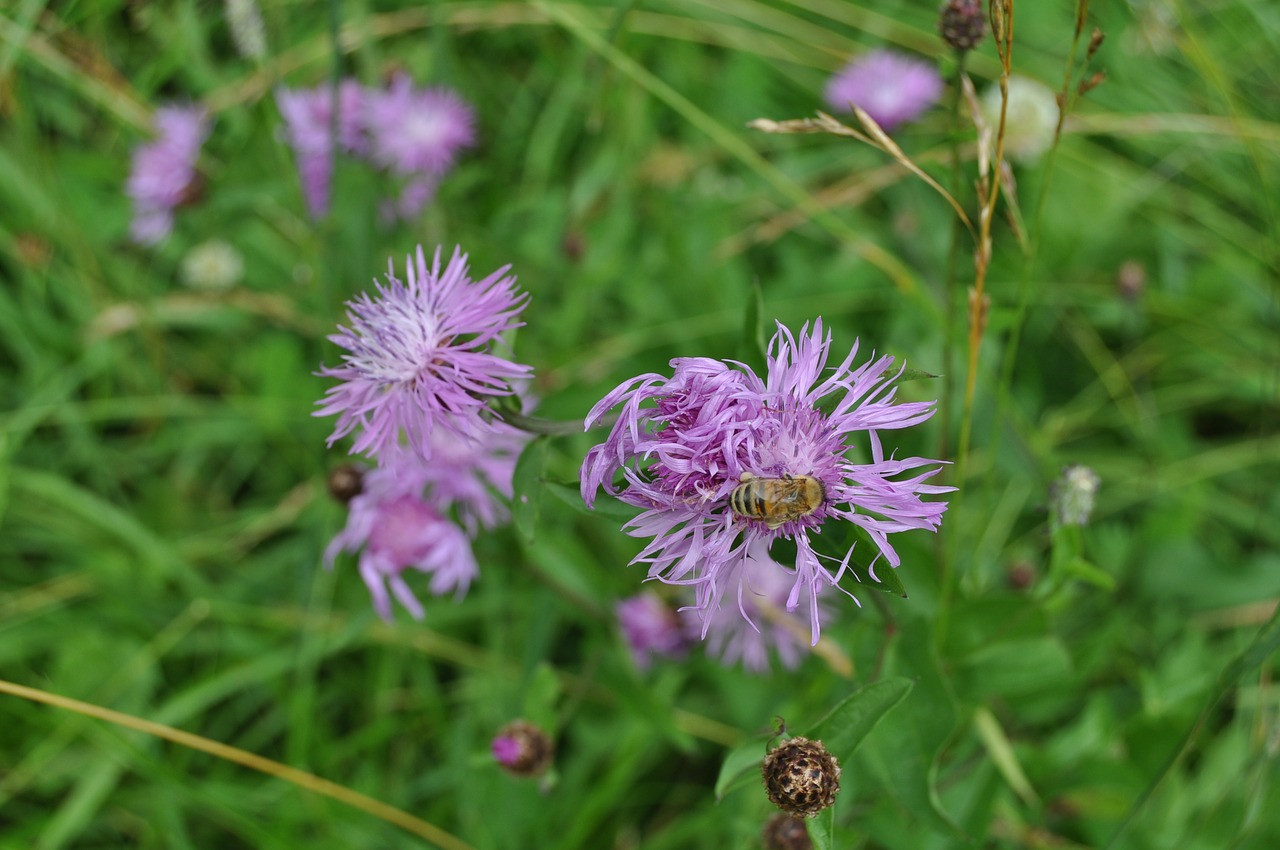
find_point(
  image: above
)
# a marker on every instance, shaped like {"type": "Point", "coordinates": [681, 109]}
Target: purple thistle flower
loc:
{"type": "Point", "coordinates": [164, 170]}
{"type": "Point", "coordinates": [396, 530]}
{"type": "Point", "coordinates": [418, 131]}
{"type": "Point", "coordinates": [651, 628]}
{"type": "Point", "coordinates": [475, 475]}
{"type": "Point", "coordinates": [892, 88]}
{"type": "Point", "coordinates": [710, 423]}
{"type": "Point", "coordinates": [309, 129]}
{"type": "Point", "coordinates": [744, 629]}
{"type": "Point", "coordinates": [420, 357]}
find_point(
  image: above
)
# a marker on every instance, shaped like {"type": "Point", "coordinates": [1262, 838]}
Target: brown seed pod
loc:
{"type": "Point", "coordinates": [784, 832]}
{"type": "Point", "coordinates": [801, 777]}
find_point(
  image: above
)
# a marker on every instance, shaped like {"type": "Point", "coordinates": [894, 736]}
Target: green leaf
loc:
{"type": "Point", "coordinates": [1002, 755]}
{"type": "Point", "coordinates": [753, 347]}
{"type": "Point", "coordinates": [822, 829]}
{"type": "Point", "coordinates": [904, 753]}
{"type": "Point", "coordinates": [910, 374]}
{"type": "Point", "coordinates": [1091, 574]}
{"type": "Point", "coordinates": [853, 718]}
{"type": "Point", "coordinates": [527, 485]}
{"type": "Point", "coordinates": [741, 765]}
{"type": "Point", "coordinates": [606, 506]}
{"type": "Point", "coordinates": [836, 540]}
{"type": "Point", "coordinates": [1014, 668]}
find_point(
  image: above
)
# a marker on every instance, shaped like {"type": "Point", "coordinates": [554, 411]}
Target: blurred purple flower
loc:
{"type": "Point", "coordinates": [473, 474]}
{"type": "Point", "coordinates": [309, 128]}
{"type": "Point", "coordinates": [164, 170]}
{"type": "Point", "coordinates": [421, 357]}
{"type": "Point", "coordinates": [651, 628]}
{"type": "Point", "coordinates": [745, 628]}
{"type": "Point", "coordinates": [710, 423]}
{"type": "Point", "coordinates": [893, 88]}
{"type": "Point", "coordinates": [418, 131]}
{"type": "Point", "coordinates": [396, 529]}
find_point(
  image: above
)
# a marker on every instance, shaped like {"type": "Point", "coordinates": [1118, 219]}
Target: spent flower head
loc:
{"type": "Point", "coordinates": [1031, 118]}
{"type": "Point", "coordinates": [420, 357]}
{"type": "Point", "coordinates": [163, 171]}
{"type": "Point", "coordinates": [213, 266]}
{"type": "Point", "coordinates": [684, 444]}
{"type": "Point", "coordinates": [893, 88]}
{"type": "Point", "coordinates": [396, 529]}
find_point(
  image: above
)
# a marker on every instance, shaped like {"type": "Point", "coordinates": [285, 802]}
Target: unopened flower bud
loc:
{"type": "Point", "coordinates": [784, 832]}
{"type": "Point", "coordinates": [523, 749]}
{"type": "Point", "coordinates": [801, 777]}
{"type": "Point", "coordinates": [346, 481]}
{"type": "Point", "coordinates": [962, 24]}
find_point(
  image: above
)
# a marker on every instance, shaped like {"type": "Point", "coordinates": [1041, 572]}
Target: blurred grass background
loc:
{"type": "Point", "coordinates": [162, 498]}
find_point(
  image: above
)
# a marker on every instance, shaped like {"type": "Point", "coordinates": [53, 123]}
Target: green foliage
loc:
{"type": "Point", "coordinates": [163, 514]}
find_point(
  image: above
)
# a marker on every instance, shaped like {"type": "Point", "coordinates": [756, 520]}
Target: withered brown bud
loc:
{"type": "Point", "coordinates": [523, 749]}
{"type": "Point", "coordinates": [784, 832]}
{"type": "Point", "coordinates": [962, 24]}
{"type": "Point", "coordinates": [1095, 41]}
{"type": "Point", "coordinates": [1093, 82]}
{"type": "Point", "coordinates": [346, 481]}
{"type": "Point", "coordinates": [801, 777]}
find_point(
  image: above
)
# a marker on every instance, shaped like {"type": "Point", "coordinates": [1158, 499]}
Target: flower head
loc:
{"type": "Point", "coordinates": [801, 777]}
{"type": "Point", "coordinates": [892, 88]}
{"type": "Point", "coordinates": [1031, 118]}
{"type": "Point", "coordinates": [745, 628]}
{"type": "Point", "coordinates": [474, 475]}
{"type": "Point", "coordinates": [523, 749]}
{"type": "Point", "coordinates": [420, 357]}
{"type": "Point", "coordinates": [418, 131]}
{"type": "Point", "coordinates": [396, 529]}
{"type": "Point", "coordinates": [651, 628]}
{"type": "Point", "coordinates": [164, 170]}
{"type": "Point", "coordinates": [310, 127]}
{"type": "Point", "coordinates": [962, 24]}
{"type": "Point", "coordinates": [682, 445]}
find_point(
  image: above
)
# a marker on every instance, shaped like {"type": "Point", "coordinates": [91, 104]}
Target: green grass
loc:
{"type": "Point", "coordinates": [162, 496]}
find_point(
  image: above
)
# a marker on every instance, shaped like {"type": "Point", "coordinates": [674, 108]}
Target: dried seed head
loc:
{"type": "Point", "coordinates": [346, 481]}
{"type": "Point", "coordinates": [1072, 495]}
{"type": "Point", "coordinates": [962, 24]}
{"type": "Point", "coordinates": [784, 832]}
{"type": "Point", "coordinates": [801, 777]}
{"type": "Point", "coordinates": [523, 749]}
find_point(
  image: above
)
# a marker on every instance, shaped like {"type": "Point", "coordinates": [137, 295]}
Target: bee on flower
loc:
{"type": "Point", "coordinates": [725, 462]}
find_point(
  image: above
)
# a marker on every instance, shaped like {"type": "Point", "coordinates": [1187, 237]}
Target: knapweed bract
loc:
{"type": "Point", "coordinates": [681, 445]}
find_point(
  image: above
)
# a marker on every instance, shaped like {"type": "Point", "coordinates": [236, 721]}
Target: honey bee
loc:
{"type": "Point", "coordinates": [776, 501]}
